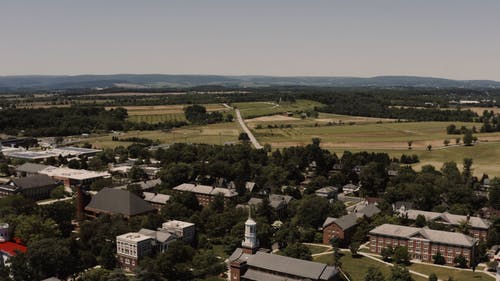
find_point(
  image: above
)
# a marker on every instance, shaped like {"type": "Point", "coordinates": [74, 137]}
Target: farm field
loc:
{"type": "Point", "coordinates": [256, 109]}
{"type": "Point", "coordinates": [210, 134]}
{"type": "Point", "coordinates": [162, 113]}
{"type": "Point", "coordinates": [374, 136]}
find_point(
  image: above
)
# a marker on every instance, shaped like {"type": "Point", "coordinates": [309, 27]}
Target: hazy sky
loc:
{"type": "Point", "coordinates": [442, 38]}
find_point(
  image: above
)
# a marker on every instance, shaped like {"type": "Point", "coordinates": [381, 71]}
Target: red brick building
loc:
{"type": "Point", "coordinates": [423, 243]}
{"type": "Point", "coordinates": [206, 194]}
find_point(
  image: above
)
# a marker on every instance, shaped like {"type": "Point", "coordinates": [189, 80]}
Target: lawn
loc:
{"type": "Point", "coordinates": [315, 249]}
{"type": "Point", "coordinates": [256, 109]}
{"type": "Point", "coordinates": [443, 273]}
{"type": "Point", "coordinates": [356, 268]}
{"type": "Point", "coordinates": [219, 133]}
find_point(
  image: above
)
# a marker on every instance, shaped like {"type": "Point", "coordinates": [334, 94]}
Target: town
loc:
{"type": "Point", "coordinates": [253, 140]}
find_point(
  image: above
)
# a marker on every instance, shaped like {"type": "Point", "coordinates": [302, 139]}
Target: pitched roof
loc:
{"type": "Point", "coordinates": [118, 201]}
{"type": "Point", "coordinates": [448, 218]}
{"type": "Point", "coordinates": [157, 198]}
{"type": "Point", "coordinates": [33, 182]}
{"type": "Point", "coordinates": [437, 236]}
{"type": "Point", "coordinates": [344, 222]}
{"type": "Point", "coordinates": [368, 211]}
{"type": "Point", "coordinates": [11, 248]}
{"type": "Point", "coordinates": [292, 266]}
{"type": "Point", "coordinates": [31, 168]}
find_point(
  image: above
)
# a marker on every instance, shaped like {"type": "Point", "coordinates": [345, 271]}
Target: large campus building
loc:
{"type": "Point", "coordinates": [248, 263]}
{"type": "Point", "coordinates": [423, 243]}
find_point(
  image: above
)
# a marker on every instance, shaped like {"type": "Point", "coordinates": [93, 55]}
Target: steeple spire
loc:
{"type": "Point", "coordinates": [251, 243]}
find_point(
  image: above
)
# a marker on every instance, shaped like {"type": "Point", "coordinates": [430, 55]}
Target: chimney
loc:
{"type": "Point", "coordinates": [79, 203]}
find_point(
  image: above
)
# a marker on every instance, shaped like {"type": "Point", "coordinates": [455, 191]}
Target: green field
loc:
{"type": "Point", "coordinates": [211, 134]}
{"type": "Point", "coordinates": [388, 136]}
{"type": "Point", "coordinates": [356, 268]}
{"type": "Point", "coordinates": [444, 272]}
{"type": "Point", "coordinates": [255, 109]}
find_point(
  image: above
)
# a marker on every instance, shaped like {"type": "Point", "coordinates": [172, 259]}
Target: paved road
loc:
{"type": "Point", "coordinates": [254, 141]}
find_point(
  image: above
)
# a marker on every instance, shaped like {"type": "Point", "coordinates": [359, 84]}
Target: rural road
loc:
{"type": "Point", "coordinates": [254, 141]}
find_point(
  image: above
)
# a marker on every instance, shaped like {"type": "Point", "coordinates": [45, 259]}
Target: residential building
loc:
{"type": "Point", "coordinates": [35, 187]}
{"type": "Point", "coordinates": [157, 200]}
{"type": "Point", "coordinates": [328, 192]}
{"type": "Point", "coordinates": [30, 169]}
{"type": "Point", "coordinates": [248, 263]}
{"type": "Point", "coordinates": [117, 201]}
{"type": "Point", "coordinates": [423, 243]}
{"type": "Point", "coordinates": [206, 194]}
{"type": "Point", "coordinates": [183, 230]}
{"type": "Point", "coordinates": [344, 227]}
{"type": "Point", "coordinates": [478, 227]}
{"type": "Point", "coordinates": [131, 248]}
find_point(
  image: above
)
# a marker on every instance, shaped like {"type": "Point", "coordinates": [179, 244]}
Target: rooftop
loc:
{"type": "Point", "coordinates": [117, 201]}
{"type": "Point", "coordinates": [133, 237]}
{"type": "Point", "coordinates": [73, 173]}
{"type": "Point", "coordinates": [176, 224]}
{"type": "Point", "coordinates": [436, 236]}
{"type": "Point", "coordinates": [448, 218]}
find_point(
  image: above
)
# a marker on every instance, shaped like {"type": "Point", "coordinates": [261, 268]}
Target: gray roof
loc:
{"type": "Point", "coordinates": [475, 222]}
{"type": "Point", "coordinates": [31, 168]}
{"type": "Point", "coordinates": [436, 236]}
{"type": "Point", "coordinates": [256, 275]}
{"type": "Point", "coordinates": [52, 279]}
{"type": "Point", "coordinates": [160, 236]}
{"type": "Point", "coordinates": [118, 201]}
{"type": "Point", "coordinates": [157, 198]}
{"type": "Point", "coordinates": [344, 222]}
{"type": "Point", "coordinates": [279, 197]}
{"type": "Point", "coordinates": [368, 210]}
{"type": "Point", "coordinates": [292, 266]}
{"type": "Point", "coordinates": [148, 184]}
{"type": "Point", "coordinates": [33, 182]}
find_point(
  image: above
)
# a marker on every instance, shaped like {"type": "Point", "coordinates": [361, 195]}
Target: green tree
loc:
{"type": "Point", "coordinates": [117, 275]}
{"type": "Point", "coordinates": [439, 258]}
{"type": "Point", "coordinates": [468, 138]}
{"type": "Point", "coordinates": [429, 147]}
{"type": "Point", "coordinates": [33, 228]}
{"type": "Point", "coordinates": [206, 263]}
{"type": "Point", "coordinates": [374, 274]}
{"type": "Point", "coordinates": [96, 274]}
{"type": "Point", "coordinates": [354, 247]}
{"type": "Point", "coordinates": [401, 255]}
{"type": "Point", "coordinates": [298, 250]}
{"type": "Point", "coordinates": [420, 221]}
{"type": "Point", "coordinates": [136, 173]}
{"type": "Point", "coordinates": [446, 142]}
{"type": "Point", "coordinates": [176, 173]}
{"type": "Point", "coordinates": [400, 273]}
{"type": "Point", "coordinates": [460, 261]}
{"type": "Point", "coordinates": [433, 277]}
{"type": "Point", "coordinates": [58, 192]}
{"type": "Point", "coordinates": [244, 137]}
{"type": "Point", "coordinates": [107, 257]}
{"type": "Point", "coordinates": [387, 253]}
{"type": "Point", "coordinates": [337, 256]}
{"type": "Point", "coordinates": [50, 257]}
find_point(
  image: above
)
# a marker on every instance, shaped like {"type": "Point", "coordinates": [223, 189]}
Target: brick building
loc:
{"type": "Point", "coordinates": [206, 194]}
{"type": "Point", "coordinates": [131, 248]}
{"type": "Point", "coordinates": [248, 263]}
{"type": "Point", "coordinates": [423, 243]}
{"type": "Point", "coordinates": [36, 187]}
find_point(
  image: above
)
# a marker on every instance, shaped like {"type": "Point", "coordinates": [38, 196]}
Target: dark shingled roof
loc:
{"type": "Point", "coordinates": [34, 182]}
{"type": "Point", "coordinates": [344, 222]}
{"type": "Point", "coordinates": [117, 201]}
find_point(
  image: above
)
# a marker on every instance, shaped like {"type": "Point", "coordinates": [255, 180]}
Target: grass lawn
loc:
{"type": "Point", "coordinates": [444, 273]}
{"type": "Point", "coordinates": [356, 268]}
{"type": "Point", "coordinates": [219, 133]}
{"type": "Point", "coordinates": [317, 249]}
{"type": "Point", "coordinates": [255, 109]}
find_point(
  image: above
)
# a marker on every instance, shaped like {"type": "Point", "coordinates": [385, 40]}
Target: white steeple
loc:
{"type": "Point", "coordinates": [250, 241]}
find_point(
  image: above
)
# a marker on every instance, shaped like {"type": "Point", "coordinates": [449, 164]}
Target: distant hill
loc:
{"type": "Point", "coordinates": [16, 83]}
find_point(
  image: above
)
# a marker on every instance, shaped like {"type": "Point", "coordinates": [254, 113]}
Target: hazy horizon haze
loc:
{"type": "Point", "coordinates": [446, 39]}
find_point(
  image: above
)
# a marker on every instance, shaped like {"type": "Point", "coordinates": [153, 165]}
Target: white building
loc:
{"type": "Point", "coordinates": [183, 230]}
{"type": "Point", "coordinates": [131, 247]}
